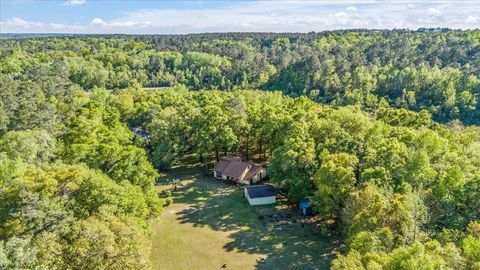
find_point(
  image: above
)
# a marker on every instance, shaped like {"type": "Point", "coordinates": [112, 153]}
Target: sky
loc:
{"type": "Point", "coordinates": [183, 17]}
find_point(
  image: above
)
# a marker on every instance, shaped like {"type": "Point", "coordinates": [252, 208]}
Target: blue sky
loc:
{"type": "Point", "coordinates": [180, 17]}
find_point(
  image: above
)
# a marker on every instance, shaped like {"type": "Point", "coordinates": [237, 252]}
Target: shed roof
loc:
{"type": "Point", "coordinates": [259, 191]}
{"type": "Point", "coordinates": [305, 203]}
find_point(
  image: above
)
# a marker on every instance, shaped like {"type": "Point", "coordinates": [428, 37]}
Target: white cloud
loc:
{"type": "Point", "coordinates": [58, 25]}
{"type": "Point", "coordinates": [472, 19]}
{"type": "Point", "coordinates": [301, 16]}
{"type": "Point", "coordinates": [270, 16]}
{"type": "Point", "coordinates": [66, 27]}
{"type": "Point", "coordinates": [129, 23]}
{"type": "Point", "coordinates": [341, 14]}
{"type": "Point", "coordinates": [74, 2]}
{"type": "Point", "coordinates": [98, 21]}
{"type": "Point", "coordinates": [21, 23]}
{"type": "Point", "coordinates": [352, 9]}
{"type": "Point", "coordinates": [433, 12]}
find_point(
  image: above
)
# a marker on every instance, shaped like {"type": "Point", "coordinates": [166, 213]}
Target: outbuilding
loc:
{"type": "Point", "coordinates": [260, 194]}
{"type": "Point", "coordinates": [305, 206]}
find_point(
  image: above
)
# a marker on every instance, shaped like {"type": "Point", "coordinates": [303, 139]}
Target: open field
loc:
{"type": "Point", "coordinates": [211, 224]}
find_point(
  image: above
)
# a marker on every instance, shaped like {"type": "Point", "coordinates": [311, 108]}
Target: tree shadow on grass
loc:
{"type": "Point", "coordinates": [285, 250]}
{"type": "Point", "coordinates": [222, 207]}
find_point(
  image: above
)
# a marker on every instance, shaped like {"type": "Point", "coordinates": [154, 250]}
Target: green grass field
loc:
{"type": "Point", "coordinates": [211, 224]}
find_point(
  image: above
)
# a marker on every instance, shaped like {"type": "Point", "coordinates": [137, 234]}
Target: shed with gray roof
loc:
{"type": "Point", "coordinates": [260, 194]}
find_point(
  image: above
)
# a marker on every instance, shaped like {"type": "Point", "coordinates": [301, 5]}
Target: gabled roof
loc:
{"type": "Point", "coordinates": [234, 167]}
{"type": "Point", "coordinates": [259, 191]}
{"type": "Point", "coordinates": [256, 168]}
{"type": "Point", "coordinates": [223, 163]}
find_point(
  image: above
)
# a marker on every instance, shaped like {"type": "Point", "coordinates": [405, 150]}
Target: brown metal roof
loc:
{"type": "Point", "coordinates": [234, 167]}
{"type": "Point", "coordinates": [221, 165]}
{"type": "Point", "coordinates": [256, 168]}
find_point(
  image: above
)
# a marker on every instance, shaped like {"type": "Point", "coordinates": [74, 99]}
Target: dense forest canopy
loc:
{"type": "Point", "coordinates": [378, 128]}
{"type": "Point", "coordinates": [436, 70]}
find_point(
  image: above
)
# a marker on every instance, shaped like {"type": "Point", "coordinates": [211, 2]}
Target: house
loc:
{"type": "Point", "coordinates": [236, 170]}
{"type": "Point", "coordinates": [260, 194]}
{"type": "Point", "coordinates": [305, 206]}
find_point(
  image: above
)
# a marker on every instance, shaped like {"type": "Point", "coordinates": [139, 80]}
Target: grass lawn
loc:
{"type": "Point", "coordinates": [210, 224]}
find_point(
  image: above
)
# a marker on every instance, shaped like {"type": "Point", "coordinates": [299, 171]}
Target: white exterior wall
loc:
{"type": "Point", "coordinates": [262, 200]}
{"type": "Point", "coordinates": [219, 175]}
{"type": "Point", "coordinates": [259, 201]}
{"type": "Point", "coordinates": [259, 176]}
{"type": "Point", "coordinates": [256, 177]}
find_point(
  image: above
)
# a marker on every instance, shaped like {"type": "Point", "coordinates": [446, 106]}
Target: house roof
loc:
{"type": "Point", "coordinates": [234, 167]}
{"type": "Point", "coordinates": [222, 164]}
{"type": "Point", "coordinates": [256, 168]}
{"type": "Point", "coordinates": [259, 191]}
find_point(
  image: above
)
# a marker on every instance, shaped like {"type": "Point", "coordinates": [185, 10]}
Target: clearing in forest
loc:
{"type": "Point", "coordinates": [210, 224]}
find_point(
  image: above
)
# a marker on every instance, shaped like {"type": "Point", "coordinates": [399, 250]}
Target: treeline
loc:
{"type": "Point", "coordinates": [433, 69]}
{"type": "Point", "coordinates": [402, 191]}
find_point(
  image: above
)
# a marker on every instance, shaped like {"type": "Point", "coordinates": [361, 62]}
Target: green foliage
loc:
{"type": "Point", "coordinates": [335, 179]}
{"type": "Point", "coordinates": [369, 149]}
{"type": "Point", "coordinates": [98, 138]}
{"type": "Point", "coordinates": [364, 241]}
{"type": "Point", "coordinates": [117, 243]}
{"type": "Point", "coordinates": [430, 255]}
{"type": "Point", "coordinates": [423, 70]}
{"type": "Point", "coordinates": [471, 245]}
{"type": "Point", "coordinates": [30, 146]}
{"type": "Point", "coordinates": [404, 117]}
{"type": "Point", "coordinates": [471, 248]}
{"type": "Point", "coordinates": [19, 253]}
{"type": "Point", "coordinates": [164, 156]}
{"type": "Point", "coordinates": [55, 216]}
{"type": "Point", "coordinates": [397, 218]}
{"type": "Point", "coordinates": [291, 163]}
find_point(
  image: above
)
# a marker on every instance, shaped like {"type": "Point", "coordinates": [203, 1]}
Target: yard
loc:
{"type": "Point", "coordinates": [210, 225]}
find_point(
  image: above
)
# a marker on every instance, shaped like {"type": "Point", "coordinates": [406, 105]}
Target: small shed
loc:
{"type": "Point", "coordinates": [305, 206]}
{"type": "Point", "coordinates": [260, 194]}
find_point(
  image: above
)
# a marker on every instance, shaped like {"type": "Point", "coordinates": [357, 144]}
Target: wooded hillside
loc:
{"type": "Point", "coordinates": [433, 69]}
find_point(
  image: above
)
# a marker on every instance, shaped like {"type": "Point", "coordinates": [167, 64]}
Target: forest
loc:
{"type": "Point", "coordinates": [379, 128]}
{"type": "Point", "coordinates": [436, 70]}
